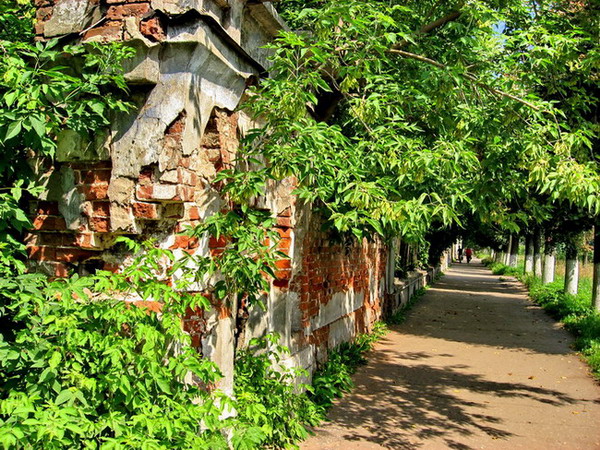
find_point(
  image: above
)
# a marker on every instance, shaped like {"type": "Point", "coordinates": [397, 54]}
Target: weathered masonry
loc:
{"type": "Point", "coordinates": [151, 174]}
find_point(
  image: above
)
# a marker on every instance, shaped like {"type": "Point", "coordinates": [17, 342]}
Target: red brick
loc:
{"type": "Point", "coordinates": [144, 192]}
{"type": "Point", "coordinates": [53, 239]}
{"type": "Point", "coordinates": [177, 126]}
{"type": "Point", "coordinates": [100, 224]}
{"type": "Point", "coordinates": [72, 254]}
{"type": "Point", "coordinates": [145, 210]}
{"type": "Point", "coordinates": [214, 243]}
{"type": "Point", "coordinates": [32, 239]}
{"type": "Point", "coordinates": [146, 175]}
{"type": "Point", "coordinates": [42, 253]}
{"type": "Point", "coordinates": [60, 270]}
{"type": "Point", "coordinates": [153, 29]}
{"type": "Point", "coordinates": [149, 305]}
{"type": "Point", "coordinates": [187, 177]}
{"type": "Point", "coordinates": [95, 176]}
{"type": "Point", "coordinates": [49, 223]}
{"type": "Point", "coordinates": [185, 194]}
{"type": "Point", "coordinates": [283, 274]}
{"type": "Point", "coordinates": [287, 212]}
{"type": "Point", "coordinates": [95, 191]}
{"type": "Point", "coordinates": [284, 245]}
{"type": "Point", "coordinates": [281, 284]}
{"type": "Point", "coordinates": [216, 252]}
{"type": "Point", "coordinates": [181, 242]}
{"type": "Point", "coordinates": [47, 208]}
{"type": "Point", "coordinates": [193, 213]}
{"type": "Point", "coordinates": [284, 222]}
{"type": "Point", "coordinates": [84, 240]}
{"type": "Point", "coordinates": [127, 10]}
{"type": "Point", "coordinates": [39, 29]}
{"type": "Point", "coordinates": [283, 264]}
{"type": "Point", "coordinates": [111, 31]}
{"type": "Point", "coordinates": [101, 209]}
{"type": "Point", "coordinates": [111, 267]}
{"type": "Point", "coordinates": [284, 232]}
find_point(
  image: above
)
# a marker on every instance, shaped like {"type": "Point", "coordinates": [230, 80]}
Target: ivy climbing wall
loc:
{"type": "Point", "coordinates": [152, 174]}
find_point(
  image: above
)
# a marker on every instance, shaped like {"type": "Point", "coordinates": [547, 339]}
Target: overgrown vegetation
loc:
{"type": "Point", "coordinates": [267, 396]}
{"type": "Point", "coordinates": [390, 126]}
{"type": "Point", "coordinates": [335, 377]}
{"type": "Point", "coordinates": [576, 312]}
{"type": "Point", "coordinates": [83, 368]}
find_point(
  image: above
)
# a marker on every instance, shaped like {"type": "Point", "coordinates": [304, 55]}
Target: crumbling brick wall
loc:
{"type": "Point", "coordinates": [151, 175]}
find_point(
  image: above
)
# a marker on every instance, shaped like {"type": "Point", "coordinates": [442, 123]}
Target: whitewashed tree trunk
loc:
{"type": "Point", "coordinates": [549, 266]}
{"type": "Point", "coordinates": [506, 261]}
{"type": "Point", "coordinates": [571, 271]}
{"type": "Point", "coordinates": [528, 253]}
{"type": "Point", "coordinates": [537, 254]}
{"type": "Point", "coordinates": [514, 251]}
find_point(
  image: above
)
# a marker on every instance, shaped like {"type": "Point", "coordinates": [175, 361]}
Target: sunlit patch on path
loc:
{"type": "Point", "coordinates": [476, 365]}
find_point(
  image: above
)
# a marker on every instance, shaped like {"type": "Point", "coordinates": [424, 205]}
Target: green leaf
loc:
{"type": "Point", "coordinates": [14, 128]}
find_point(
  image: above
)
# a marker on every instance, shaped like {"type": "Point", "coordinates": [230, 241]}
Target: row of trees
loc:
{"type": "Point", "coordinates": [429, 118]}
{"type": "Point", "coordinates": [541, 255]}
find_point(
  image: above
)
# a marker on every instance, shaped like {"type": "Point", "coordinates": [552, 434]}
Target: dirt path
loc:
{"type": "Point", "coordinates": [476, 365]}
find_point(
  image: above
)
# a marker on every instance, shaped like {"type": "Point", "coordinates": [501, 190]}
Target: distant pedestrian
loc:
{"type": "Point", "coordinates": [460, 254]}
{"type": "Point", "coordinates": [469, 254]}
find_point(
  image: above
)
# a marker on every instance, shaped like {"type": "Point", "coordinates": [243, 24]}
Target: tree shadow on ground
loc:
{"type": "Point", "coordinates": [398, 406]}
{"type": "Point", "coordinates": [459, 309]}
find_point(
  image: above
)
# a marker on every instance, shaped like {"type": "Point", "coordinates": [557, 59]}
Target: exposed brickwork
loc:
{"type": "Point", "coordinates": [175, 189]}
{"type": "Point", "coordinates": [329, 269]}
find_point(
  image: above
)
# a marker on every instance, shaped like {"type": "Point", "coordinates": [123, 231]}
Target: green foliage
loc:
{"type": "Point", "coordinates": [267, 396]}
{"type": "Point", "coordinates": [334, 378]}
{"type": "Point", "coordinates": [578, 315]}
{"type": "Point", "coordinates": [44, 90]}
{"type": "Point", "coordinates": [16, 20]}
{"type": "Point", "coordinates": [249, 255]}
{"type": "Point", "coordinates": [84, 368]}
{"type": "Point", "coordinates": [433, 133]}
{"type": "Point", "coordinates": [502, 269]}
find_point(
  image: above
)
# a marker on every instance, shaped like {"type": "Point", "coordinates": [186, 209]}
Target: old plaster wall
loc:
{"type": "Point", "coordinates": [152, 174]}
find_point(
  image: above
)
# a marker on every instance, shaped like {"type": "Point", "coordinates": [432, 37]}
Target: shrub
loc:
{"type": "Point", "coordinates": [334, 378]}
{"type": "Point", "coordinates": [85, 371]}
{"type": "Point", "coordinates": [267, 396]}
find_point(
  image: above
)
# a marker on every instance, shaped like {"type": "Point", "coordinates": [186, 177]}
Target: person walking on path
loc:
{"type": "Point", "coordinates": [469, 253]}
{"type": "Point", "coordinates": [460, 254]}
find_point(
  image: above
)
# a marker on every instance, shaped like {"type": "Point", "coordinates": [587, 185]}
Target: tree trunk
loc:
{"type": "Point", "coordinates": [537, 253]}
{"type": "Point", "coordinates": [514, 251]}
{"type": "Point", "coordinates": [508, 247]}
{"type": "Point", "coordinates": [528, 254]}
{"type": "Point", "coordinates": [571, 270]}
{"type": "Point", "coordinates": [549, 261]}
{"type": "Point", "coordinates": [596, 279]}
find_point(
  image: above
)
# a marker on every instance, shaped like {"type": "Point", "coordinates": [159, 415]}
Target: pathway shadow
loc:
{"type": "Point", "coordinates": [396, 404]}
{"type": "Point", "coordinates": [470, 305]}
